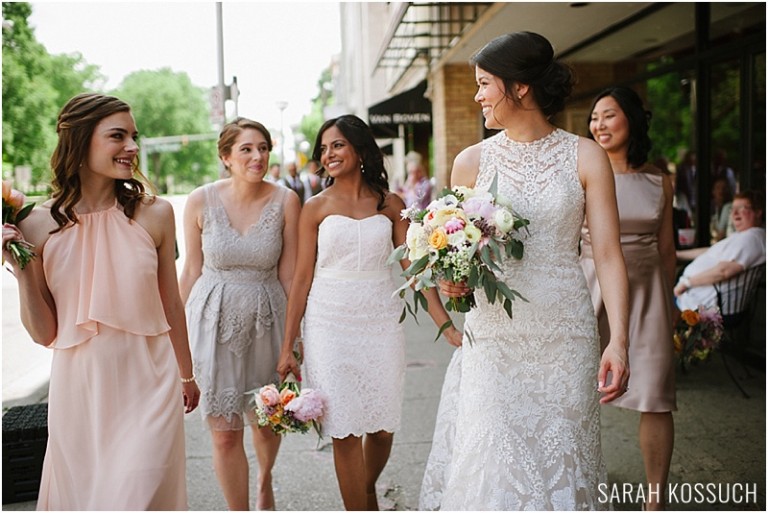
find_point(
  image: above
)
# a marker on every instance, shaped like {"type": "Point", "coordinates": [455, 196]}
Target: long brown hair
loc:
{"type": "Point", "coordinates": [76, 123]}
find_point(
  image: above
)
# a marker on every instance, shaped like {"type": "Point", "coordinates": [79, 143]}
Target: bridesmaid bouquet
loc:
{"type": "Point", "coordinates": [461, 237]}
{"type": "Point", "coordinates": [698, 333]}
{"type": "Point", "coordinates": [14, 211]}
{"type": "Point", "coordinates": [286, 408]}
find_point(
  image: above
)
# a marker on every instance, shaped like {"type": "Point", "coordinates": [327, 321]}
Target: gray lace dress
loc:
{"type": "Point", "coordinates": [236, 311]}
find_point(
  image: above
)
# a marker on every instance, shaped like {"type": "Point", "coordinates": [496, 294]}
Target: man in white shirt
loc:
{"type": "Point", "coordinates": [739, 251]}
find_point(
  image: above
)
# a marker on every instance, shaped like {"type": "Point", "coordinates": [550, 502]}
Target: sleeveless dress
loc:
{"type": "Point", "coordinates": [640, 199]}
{"type": "Point", "coordinates": [115, 409]}
{"type": "Point", "coordinates": [236, 311]}
{"type": "Point", "coordinates": [354, 346]}
{"type": "Point", "coordinates": [523, 395]}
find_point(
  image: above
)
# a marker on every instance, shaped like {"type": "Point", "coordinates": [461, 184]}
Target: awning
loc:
{"type": "Point", "coordinates": [407, 108]}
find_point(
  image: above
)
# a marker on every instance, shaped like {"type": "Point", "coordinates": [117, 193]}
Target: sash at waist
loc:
{"type": "Point", "coordinates": [343, 274]}
{"type": "Point", "coordinates": [239, 274]}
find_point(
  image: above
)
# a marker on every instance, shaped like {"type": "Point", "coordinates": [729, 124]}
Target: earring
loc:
{"type": "Point", "coordinates": [519, 96]}
{"type": "Point", "coordinates": [362, 167]}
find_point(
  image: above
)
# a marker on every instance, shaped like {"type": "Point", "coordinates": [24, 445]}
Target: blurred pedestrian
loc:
{"type": "Point", "coordinates": [102, 293]}
{"type": "Point", "coordinates": [644, 194]}
{"type": "Point", "coordinates": [417, 189]}
{"type": "Point", "coordinates": [241, 243]}
{"type": "Point", "coordinates": [720, 224]}
{"type": "Point", "coordinates": [313, 183]}
{"type": "Point", "coordinates": [293, 181]}
{"type": "Point", "coordinates": [273, 174]}
{"type": "Point", "coordinates": [685, 184]}
{"type": "Point", "coordinates": [354, 346]}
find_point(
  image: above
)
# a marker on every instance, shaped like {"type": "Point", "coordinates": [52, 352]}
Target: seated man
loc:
{"type": "Point", "coordinates": [739, 251]}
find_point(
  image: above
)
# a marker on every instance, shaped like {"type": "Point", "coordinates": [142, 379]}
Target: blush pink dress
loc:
{"type": "Point", "coordinates": [115, 412]}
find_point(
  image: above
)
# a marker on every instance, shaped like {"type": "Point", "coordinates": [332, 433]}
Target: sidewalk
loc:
{"type": "Point", "coordinates": [719, 435]}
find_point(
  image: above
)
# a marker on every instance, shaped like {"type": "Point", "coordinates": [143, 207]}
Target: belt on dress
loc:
{"type": "Point", "coordinates": [343, 274]}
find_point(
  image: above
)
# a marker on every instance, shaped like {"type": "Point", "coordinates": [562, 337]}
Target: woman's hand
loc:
{"type": "Point", "coordinates": [616, 361]}
{"type": "Point", "coordinates": [10, 233]}
{"type": "Point", "coordinates": [453, 336]}
{"type": "Point", "coordinates": [453, 289]}
{"type": "Point", "coordinates": [286, 364]}
{"type": "Point", "coordinates": [191, 394]}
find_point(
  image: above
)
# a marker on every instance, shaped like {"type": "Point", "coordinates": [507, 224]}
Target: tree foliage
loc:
{"type": "Point", "coordinates": [35, 87]}
{"type": "Point", "coordinates": [166, 103]}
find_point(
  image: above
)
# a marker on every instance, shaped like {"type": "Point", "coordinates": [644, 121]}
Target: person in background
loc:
{"type": "Point", "coordinates": [102, 294]}
{"type": "Point", "coordinates": [273, 174]}
{"type": "Point", "coordinates": [722, 202]}
{"type": "Point", "coordinates": [644, 194]}
{"type": "Point", "coordinates": [526, 414]}
{"type": "Point", "coordinates": [685, 184]}
{"type": "Point", "coordinates": [293, 181]}
{"type": "Point", "coordinates": [313, 184]}
{"type": "Point", "coordinates": [354, 345]}
{"type": "Point", "coordinates": [734, 254]}
{"type": "Point", "coordinates": [241, 243]}
{"type": "Point", "coordinates": [417, 189]}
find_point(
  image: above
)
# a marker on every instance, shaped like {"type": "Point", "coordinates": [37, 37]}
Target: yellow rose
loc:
{"type": "Point", "coordinates": [690, 317]}
{"type": "Point", "coordinates": [438, 239]}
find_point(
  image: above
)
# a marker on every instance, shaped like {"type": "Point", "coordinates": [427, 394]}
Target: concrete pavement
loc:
{"type": "Point", "coordinates": [720, 436]}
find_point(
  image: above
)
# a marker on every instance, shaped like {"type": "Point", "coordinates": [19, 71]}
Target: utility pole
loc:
{"type": "Point", "coordinates": [222, 89]}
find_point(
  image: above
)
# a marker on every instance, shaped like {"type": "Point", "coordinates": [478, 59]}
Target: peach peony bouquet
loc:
{"type": "Point", "coordinates": [286, 408]}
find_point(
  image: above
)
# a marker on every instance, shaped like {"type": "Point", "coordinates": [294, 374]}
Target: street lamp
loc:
{"type": "Point", "coordinates": [282, 105]}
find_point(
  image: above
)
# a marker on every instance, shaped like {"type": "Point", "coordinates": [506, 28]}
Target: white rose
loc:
{"type": "Point", "coordinates": [504, 220]}
{"type": "Point", "coordinates": [416, 239]}
{"type": "Point", "coordinates": [456, 239]}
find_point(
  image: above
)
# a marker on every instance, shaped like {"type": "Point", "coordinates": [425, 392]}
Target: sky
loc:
{"type": "Point", "coordinates": [277, 51]}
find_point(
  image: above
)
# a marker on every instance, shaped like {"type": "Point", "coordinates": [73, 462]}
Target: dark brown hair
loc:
{"type": "Point", "coordinates": [76, 123]}
{"type": "Point", "coordinates": [231, 130]}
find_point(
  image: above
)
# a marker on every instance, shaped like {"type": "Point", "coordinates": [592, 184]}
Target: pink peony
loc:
{"type": "Point", "coordinates": [454, 225]}
{"type": "Point", "coordinates": [307, 406]}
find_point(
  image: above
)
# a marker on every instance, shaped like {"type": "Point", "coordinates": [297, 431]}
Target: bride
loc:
{"type": "Point", "coordinates": [525, 394]}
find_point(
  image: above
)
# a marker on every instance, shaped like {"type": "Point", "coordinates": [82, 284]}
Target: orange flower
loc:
{"type": "Point", "coordinates": [286, 396]}
{"type": "Point", "coordinates": [690, 317]}
{"type": "Point", "coordinates": [6, 190]}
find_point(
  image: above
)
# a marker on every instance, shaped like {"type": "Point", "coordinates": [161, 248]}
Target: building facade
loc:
{"type": "Point", "coordinates": [699, 66]}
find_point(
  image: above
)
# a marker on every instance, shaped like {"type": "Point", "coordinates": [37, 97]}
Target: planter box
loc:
{"type": "Point", "coordinates": [25, 435]}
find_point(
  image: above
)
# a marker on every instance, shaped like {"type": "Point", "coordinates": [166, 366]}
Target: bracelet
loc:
{"type": "Point", "coordinates": [188, 380]}
{"type": "Point", "coordinates": [686, 281]}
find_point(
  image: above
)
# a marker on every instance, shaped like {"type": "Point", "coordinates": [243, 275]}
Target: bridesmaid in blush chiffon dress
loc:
{"type": "Point", "coordinates": [102, 294]}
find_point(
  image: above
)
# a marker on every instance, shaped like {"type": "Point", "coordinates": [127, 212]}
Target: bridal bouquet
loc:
{"type": "Point", "coordinates": [698, 333]}
{"type": "Point", "coordinates": [14, 211]}
{"type": "Point", "coordinates": [286, 408]}
{"type": "Point", "coordinates": [461, 236]}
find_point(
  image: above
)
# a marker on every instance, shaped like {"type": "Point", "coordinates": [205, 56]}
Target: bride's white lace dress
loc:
{"type": "Point", "coordinates": [354, 346]}
{"type": "Point", "coordinates": [522, 398]}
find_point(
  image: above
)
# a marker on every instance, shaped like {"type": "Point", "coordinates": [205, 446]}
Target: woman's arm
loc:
{"type": "Point", "coordinates": [603, 221]}
{"type": "Point", "coordinates": [193, 243]}
{"type": "Point", "coordinates": [157, 217]}
{"type": "Point", "coordinates": [37, 308]}
{"type": "Point", "coordinates": [666, 235]}
{"type": "Point", "coordinates": [722, 271]}
{"type": "Point", "coordinates": [286, 266]}
{"type": "Point", "coordinates": [309, 222]}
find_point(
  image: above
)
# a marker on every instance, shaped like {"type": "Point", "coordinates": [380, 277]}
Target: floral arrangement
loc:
{"type": "Point", "coordinates": [286, 408]}
{"type": "Point", "coordinates": [15, 211]}
{"type": "Point", "coordinates": [461, 236]}
{"type": "Point", "coordinates": [698, 333]}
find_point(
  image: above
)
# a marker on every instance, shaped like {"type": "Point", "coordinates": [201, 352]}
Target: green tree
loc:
{"type": "Point", "coordinates": [35, 87]}
{"type": "Point", "coordinates": [166, 103]}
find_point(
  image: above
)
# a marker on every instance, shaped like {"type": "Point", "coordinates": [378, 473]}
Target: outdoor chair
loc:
{"type": "Point", "coordinates": [737, 298]}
